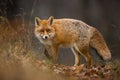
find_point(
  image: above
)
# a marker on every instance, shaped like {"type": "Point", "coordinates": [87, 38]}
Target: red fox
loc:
{"type": "Point", "coordinates": [75, 34]}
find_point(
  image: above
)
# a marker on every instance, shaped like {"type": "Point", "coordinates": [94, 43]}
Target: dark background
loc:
{"type": "Point", "coordinates": [102, 14]}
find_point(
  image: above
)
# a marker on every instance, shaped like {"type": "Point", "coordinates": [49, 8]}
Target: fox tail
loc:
{"type": "Point", "coordinates": [97, 41]}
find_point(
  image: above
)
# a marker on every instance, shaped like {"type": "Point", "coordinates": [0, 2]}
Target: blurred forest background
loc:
{"type": "Point", "coordinates": [102, 14]}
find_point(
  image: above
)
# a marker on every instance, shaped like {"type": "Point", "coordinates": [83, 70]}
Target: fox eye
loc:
{"type": "Point", "coordinates": [41, 31]}
{"type": "Point", "coordinates": [48, 30]}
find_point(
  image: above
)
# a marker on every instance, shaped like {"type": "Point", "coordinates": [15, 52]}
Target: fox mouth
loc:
{"type": "Point", "coordinates": [45, 39]}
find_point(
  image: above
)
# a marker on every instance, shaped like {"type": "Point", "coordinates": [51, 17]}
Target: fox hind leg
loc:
{"type": "Point", "coordinates": [88, 58]}
{"type": "Point", "coordinates": [77, 56]}
{"type": "Point", "coordinates": [84, 50]}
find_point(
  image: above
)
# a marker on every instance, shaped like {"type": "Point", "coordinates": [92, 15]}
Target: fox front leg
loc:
{"type": "Point", "coordinates": [55, 54]}
{"type": "Point", "coordinates": [47, 52]}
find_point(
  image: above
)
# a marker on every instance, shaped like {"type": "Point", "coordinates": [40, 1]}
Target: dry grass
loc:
{"type": "Point", "coordinates": [17, 60]}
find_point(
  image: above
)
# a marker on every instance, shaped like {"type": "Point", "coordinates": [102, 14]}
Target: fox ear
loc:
{"type": "Point", "coordinates": [50, 20]}
{"type": "Point", "coordinates": [37, 21]}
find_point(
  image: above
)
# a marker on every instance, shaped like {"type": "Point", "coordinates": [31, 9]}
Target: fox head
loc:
{"type": "Point", "coordinates": [44, 29]}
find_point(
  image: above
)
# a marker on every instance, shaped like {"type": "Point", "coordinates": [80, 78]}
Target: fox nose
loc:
{"type": "Point", "coordinates": [45, 37]}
